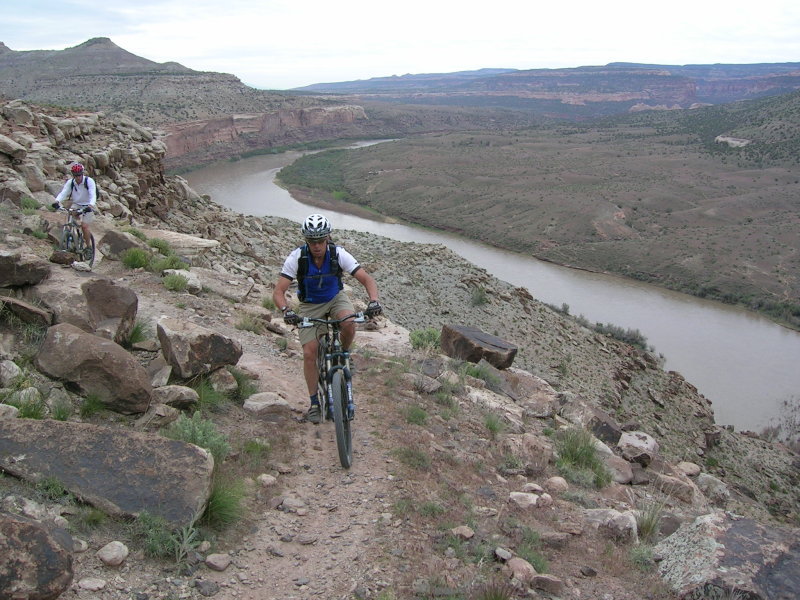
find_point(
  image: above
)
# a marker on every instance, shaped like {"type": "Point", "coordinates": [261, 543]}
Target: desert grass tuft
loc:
{"type": "Point", "coordinates": [175, 282]}
{"type": "Point", "coordinates": [578, 460]}
{"type": "Point", "coordinates": [413, 457]}
{"type": "Point", "coordinates": [415, 414]}
{"type": "Point", "coordinates": [209, 399]}
{"type": "Point", "coordinates": [244, 385]}
{"type": "Point", "coordinates": [135, 258]}
{"type": "Point", "coordinates": [201, 432]}
{"type": "Point", "coordinates": [90, 406]}
{"type": "Point", "coordinates": [225, 505]}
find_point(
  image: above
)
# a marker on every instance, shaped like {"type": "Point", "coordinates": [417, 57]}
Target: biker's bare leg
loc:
{"type": "Point", "coordinates": [310, 366]}
{"type": "Point", "coordinates": [348, 330]}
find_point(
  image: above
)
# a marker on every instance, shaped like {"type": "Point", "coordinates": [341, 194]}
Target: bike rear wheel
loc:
{"type": "Point", "coordinates": [343, 439]}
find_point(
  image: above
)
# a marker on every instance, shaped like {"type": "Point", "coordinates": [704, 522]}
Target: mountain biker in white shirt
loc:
{"type": "Point", "coordinates": [80, 191]}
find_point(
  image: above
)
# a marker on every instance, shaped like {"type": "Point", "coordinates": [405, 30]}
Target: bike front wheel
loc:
{"type": "Point", "coordinates": [67, 242]}
{"type": "Point", "coordinates": [87, 250]}
{"type": "Point", "coordinates": [339, 385]}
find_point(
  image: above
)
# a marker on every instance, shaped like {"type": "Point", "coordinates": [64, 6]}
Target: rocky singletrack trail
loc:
{"type": "Point", "coordinates": [313, 529]}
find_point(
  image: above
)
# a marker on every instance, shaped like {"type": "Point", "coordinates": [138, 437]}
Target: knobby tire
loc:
{"type": "Point", "coordinates": [67, 239]}
{"type": "Point", "coordinates": [339, 398]}
{"type": "Point", "coordinates": [87, 250]}
{"type": "Point", "coordinates": [322, 388]}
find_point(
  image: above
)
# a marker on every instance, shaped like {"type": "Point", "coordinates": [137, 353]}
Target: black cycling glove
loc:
{"type": "Point", "coordinates": [88, 209]}
{"type": "Point", "coordinates": [374, 308]}
{"type": "Point", "coordinates": [55, 205]}
{"type": "Point", "coordinates": [291, 318]}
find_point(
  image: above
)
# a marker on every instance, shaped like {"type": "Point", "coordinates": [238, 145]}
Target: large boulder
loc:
{"type": "Point", "coordinates": [27, 312]}
{"type": "Point", "coordinates": [602, 425]}
{"type": "Point", "coordinates": [121, 471]}
{"type": "Point", "coordinates": [36, 561]}
{"type": "Point", "coordinates": [95, 304]}
{"type": "Point", "coordinates": [97, 366]}
{"type": "Point", "coordinates": [194, 350]}
{"type": "Point", "coordinates": [637, 446]}
{"type": "Point", "coordinates": [720, 555]}
{"type": "Point", "coordinates": [471, 344]}
{"type": "Point", "coordinates": [18, 268]}
{"type": "Point", "coordinates": [114, 243]}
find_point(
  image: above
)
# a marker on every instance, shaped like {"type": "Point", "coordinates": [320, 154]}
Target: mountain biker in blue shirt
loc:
{"type": "Point", "coordinates": [321, 293]}
{"type": "Point", "coordinates": [80, 191]}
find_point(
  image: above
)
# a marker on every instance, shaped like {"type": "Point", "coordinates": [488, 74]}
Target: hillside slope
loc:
{"type": "Point", "coordinates": [429, 500]}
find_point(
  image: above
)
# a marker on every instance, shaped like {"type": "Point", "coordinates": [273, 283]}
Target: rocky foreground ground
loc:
{"type": "Point", "coordinates": [448, 491]}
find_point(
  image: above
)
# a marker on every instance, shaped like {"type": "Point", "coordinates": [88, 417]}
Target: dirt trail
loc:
{"type": "Point", "coordinates": [319, 530]}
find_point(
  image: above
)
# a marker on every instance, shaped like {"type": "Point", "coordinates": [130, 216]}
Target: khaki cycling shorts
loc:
{"type": "Point", "coordinates": [87, 218]}
{"type": "Point", "coordinates": [340, 303]}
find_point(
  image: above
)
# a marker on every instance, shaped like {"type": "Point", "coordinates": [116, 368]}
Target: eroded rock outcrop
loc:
{"type": "Point", "coordinates": [120, 471]}
{"type": "Point", "coordinates": [97, 366]}
{"type": "Point", "coordinates": [719, 554]}
{"type": "Point", "coordinates": [37, 560]}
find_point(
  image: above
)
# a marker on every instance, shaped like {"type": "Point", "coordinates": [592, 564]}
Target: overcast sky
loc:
{"type": "Point", "coordinates": [281, 44]}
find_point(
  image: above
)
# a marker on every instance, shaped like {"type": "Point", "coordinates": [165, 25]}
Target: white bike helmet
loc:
{"type": "Point", "coordinates": [316, 227]}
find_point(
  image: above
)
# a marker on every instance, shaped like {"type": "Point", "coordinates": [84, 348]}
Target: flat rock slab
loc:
{"type": "Point", "coordinates": [119, 471]}
{"type": "Point", "coordinates": [719, 554]}
{"type": "Point", "coordinates": [471, 344]}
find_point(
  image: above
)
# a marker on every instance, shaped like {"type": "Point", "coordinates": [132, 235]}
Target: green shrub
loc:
{"type": "Point", "coordinates": [416, 415]}
{"type": "Point", "coordinates": [161, 245]}
{"type": "Point", "coordinates": [135, 258]}
{"type": "Point", "coordinates": [431, 509]}
{"type": "Point", "coordinates": [209, 399]}
{"type": "Point", "coordinates": [39, 235]}
{"type": "Point", "coordinates": [496, 590]}
{"type": "Point", "coordinates": [224, 503]}
{"type": "Point", "coordinates": [200, 432]}
{"type": "Point", "coordinates": [642, 557]}
{"type": "Point", "coordinates": [578, 460]}
{"type": "Point", "coordinates": [61, 410]}
{"type": "Point", "coordinates": [244, 384]}
{"type": "Point", "coordinates": [479, 296]}
{"type": "Point", "coordinates": [256, 449]}
{"type": "Point", "coordinates": [139, 333]}
{"type": "Point", "coordinates": [52, 489]}
{"type": "Point", "coordinates": [413, 457]}
{"type": "Point", "coordinates": [648, 520]}
{"type": "Point", "coordinates": [485, 373]}
{"type": "Point", "coordinates": [89, 518]}
{"type": "Point", "coordinates": [175, 282]}
{"type": "Point", "coordinates": [173, 261]}
{"type": "Point", "coordinates": [90, 406]}
{"type": "Point", "coordinates": [494, 424]}
{"type": "Point", "coordinates": [32, 408]}
{"type": "Point", "coordinates": [425, 339]}
{"type": "Point", "coordinates": [250, 323]}
{"type": "Point", "coordinates": [28, 203]}
{"type": "Point", "coordinates": [268, 303]}
{"type": "Point", "coordinates": [135, 233]}
{"type": "Point", "coordinates": [154, 535]}
{"type": "Point", "coordinates": [529, 549]}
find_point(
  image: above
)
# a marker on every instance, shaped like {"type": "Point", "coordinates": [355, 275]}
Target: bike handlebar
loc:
{"type": "Point", "coordinates": [358, 317]}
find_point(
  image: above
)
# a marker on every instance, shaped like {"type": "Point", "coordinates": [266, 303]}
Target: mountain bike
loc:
{"type": "Point", "coordinates": [335, 381]}
{"type": "Point", "coordinates": [72, 240]}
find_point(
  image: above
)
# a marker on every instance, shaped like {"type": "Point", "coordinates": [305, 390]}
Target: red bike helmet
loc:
{"type": "Point", "coordinates": [77, 169]}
